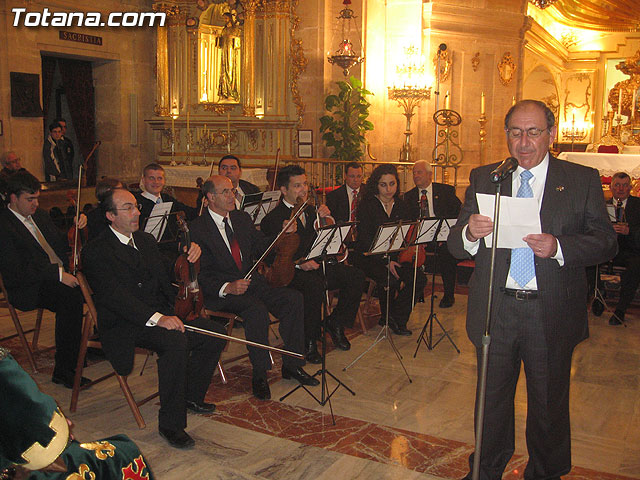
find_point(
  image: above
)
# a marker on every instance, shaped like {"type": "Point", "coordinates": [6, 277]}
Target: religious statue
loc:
{"type": "Point", "coordinates": [230, 44]}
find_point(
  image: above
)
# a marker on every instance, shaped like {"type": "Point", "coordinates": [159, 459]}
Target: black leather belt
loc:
{"type": "Point", "coordinates": [520, 294]}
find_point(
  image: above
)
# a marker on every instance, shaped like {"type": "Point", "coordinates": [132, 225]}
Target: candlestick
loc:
{"type": "Point", "coordinates": [482, 104]}
{"type": "Point", "coordinates": [620, 101]}
{"type": "Point", "coordinates": [447, 101]}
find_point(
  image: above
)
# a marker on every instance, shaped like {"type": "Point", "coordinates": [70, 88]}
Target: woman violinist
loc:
{"type": "Point", "coordinates": [381, 204]}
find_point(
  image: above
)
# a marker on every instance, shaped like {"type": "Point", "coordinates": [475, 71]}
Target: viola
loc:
{"type": "Point", "coordinates": [408, 255]}
{"type": "Point", "coordinates": [189, 300]}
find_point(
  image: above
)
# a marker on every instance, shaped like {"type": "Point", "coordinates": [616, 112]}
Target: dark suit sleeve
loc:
{"type": "Point", "coordinates": [469, 207]}
{"type": "Point", "coordinates": [108, 277]}
{"type": "Point", "coordinates": [597, 242]}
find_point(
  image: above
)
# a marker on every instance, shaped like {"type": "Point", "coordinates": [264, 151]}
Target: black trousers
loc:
{"type": "Point", "coordinates": [254, 307]}
{"type": "Point", "coordinates": [349, 280]}
{"type": "Point", "coordinates": [518, 337]}
{"type": "Point", "coordinates": [186, 363]}
{"type": "Point", "coordinates": [445, 264]}
{"type": "Point", "coordinates": [67, 303]}
{"type": "Point", "coordinates": [400, 290]}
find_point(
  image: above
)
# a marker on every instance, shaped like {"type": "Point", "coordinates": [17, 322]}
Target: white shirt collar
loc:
{"type": "Point", "coordinates": [217, 218]}
{"type": "Point", "coordinates": [151, 196]}
{"type": "Point", "coordinates": [19, 216]}
{"type": "Point", "coordinates": [124, 239]}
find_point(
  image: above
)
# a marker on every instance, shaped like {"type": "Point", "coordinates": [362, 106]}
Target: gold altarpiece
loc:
{"type": "Point", "coordinates": [227, 77]}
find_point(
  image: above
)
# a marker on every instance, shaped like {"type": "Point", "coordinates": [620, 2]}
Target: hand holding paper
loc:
{"type": "Point", "coordinates": [519, 217]}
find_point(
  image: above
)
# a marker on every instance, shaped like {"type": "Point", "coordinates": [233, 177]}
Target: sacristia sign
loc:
{"type": "Point", "coordinates": [80, 37]}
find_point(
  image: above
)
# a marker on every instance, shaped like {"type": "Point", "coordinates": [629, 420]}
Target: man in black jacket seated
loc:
{"type": "Point", "coordinates": [230, 244]}
{"type": "Point", "coordinates": [343, 201]}
{"type": "Point", "coordinates": [34, 258]}
{"type": "Point", "coordinates": [134, 300]}
{"type": "Point", "coordinates": [431, 199]}
{"type": "Point", "coordinates": [153, 181]}
{"type": "Point", "coordinates": [292, 181]}
{"type": "Point", "coordinates": [229, 166]}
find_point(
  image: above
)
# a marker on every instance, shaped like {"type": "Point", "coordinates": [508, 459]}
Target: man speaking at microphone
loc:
{"type": "Point", "coordinates": [538, 312]}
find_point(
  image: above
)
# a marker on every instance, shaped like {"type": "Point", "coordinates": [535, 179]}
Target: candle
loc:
{"type": "Point", "coordinates": [173, 130]}
{"type": "Point", "coordinates": [228, 132]}
{"type": "Point", "coordinates": [573, 120]}
{"type": "Point", "coordinates": [482, 104]}
{"type": "Point", "coordinates": [513, 101]}
{"type": "Point", "coordinates": [447, 101]}
{"type": "Point", "coordinates": [619, 101]}
{"type": "Point", "coordinates": [188, 123]}
{"type": "Point", "coordinates": [633, 106]}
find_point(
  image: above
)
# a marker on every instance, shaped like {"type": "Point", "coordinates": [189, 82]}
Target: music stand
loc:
{"type": "Point", "coordinates": [430, 230]}
{"type": "Point", "coordinates": [326, 244]}
{"type": "Point", "coordinates": [259, 204]}
{"type": "Point", "coordinates": [389, 238]}
{"type": "Point", "coordinates": [156, 224]}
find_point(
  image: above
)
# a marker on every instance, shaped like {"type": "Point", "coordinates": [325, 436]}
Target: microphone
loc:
{"type": "Point", "coordinates": [505, 168]}
{"type": "Point", "coordinates": [442, 47]}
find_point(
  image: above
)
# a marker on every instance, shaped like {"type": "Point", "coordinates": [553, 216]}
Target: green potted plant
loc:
{"type": "Point", "coordinates": [345, 127]}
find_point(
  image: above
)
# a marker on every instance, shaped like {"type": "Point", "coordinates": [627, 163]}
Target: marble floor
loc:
{"type": "Point", "coordinates": [391, 429]}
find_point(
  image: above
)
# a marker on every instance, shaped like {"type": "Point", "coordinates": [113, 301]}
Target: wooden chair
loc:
{"type": "Point", "coordinates": [89, 340]}
{"type": "Point", "coordinates": [20, 332]}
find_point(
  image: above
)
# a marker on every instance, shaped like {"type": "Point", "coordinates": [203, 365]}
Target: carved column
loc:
{"type": "Point", "coordinates": [248, 60]}
{"type": "Point", "coordinates": [162, 72]}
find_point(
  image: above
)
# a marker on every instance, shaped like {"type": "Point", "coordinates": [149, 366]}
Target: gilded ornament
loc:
{"type": "Point", "coordinates": [83, 470]}
{"type": "Point", "coordinates": [102, 449]}
{"type": "Point", "coordinates": [298, 63]}
{"type": "Point", "coordinates": [506, 69]}
{"type": "Point", "coordinates": [445, 64]}
{"type": "Point", "coordinates": [475, 61]}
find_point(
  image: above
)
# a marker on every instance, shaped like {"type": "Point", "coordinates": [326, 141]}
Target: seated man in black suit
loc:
{"type": "Point", "coordinates": [292, 181]}
{"type": "Point", "coordinates": [626, 223]}
{"type": "Point", "coordinates": [229, 166]}
{"type": "Point", "coordinates": [230, 244]}
{"type": "Point", "coordinates": [430, 199]}
{"type": "Point", "coordinates": [343, 201]}
{"type": "Point", "coordinates": [153, 182]}
{"type": "Point", "coordinates": [135, 300]}
{"type": "Point", "coordinates": [33, 260]}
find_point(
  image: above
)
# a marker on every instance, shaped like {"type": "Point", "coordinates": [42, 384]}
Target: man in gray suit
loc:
{"type": "Point", "coordinates": [539, 313]}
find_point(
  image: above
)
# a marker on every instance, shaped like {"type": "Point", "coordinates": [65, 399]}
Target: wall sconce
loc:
{"type": "Point", "coordinates": [345, 56]}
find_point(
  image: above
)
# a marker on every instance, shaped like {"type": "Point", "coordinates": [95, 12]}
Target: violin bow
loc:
{"type": "Point", "coordinates": [204, 197]}
{"type": "Point", "coordinates": [75, 238]}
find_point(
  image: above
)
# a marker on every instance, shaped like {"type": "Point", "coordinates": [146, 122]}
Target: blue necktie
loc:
{"type": "Point", "coordinates": [522, 263]}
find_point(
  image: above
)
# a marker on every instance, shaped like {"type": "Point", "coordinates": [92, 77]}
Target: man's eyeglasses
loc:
{"type": "Point", "coordinates": [518, 132]}
{"type": "Point", "coordinates": [128, 207]}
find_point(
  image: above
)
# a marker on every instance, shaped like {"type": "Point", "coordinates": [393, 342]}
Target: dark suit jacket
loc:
{"type": "Point", "coordinates": [338, 203]}
{"type": "Point", "coordinates": [50, 168]}
{"type": "Point", "coordinates": [247, 187]}
{"type": "Point", "coordinates": [573, 210]}
{"type": "Point", "coordinates": [216, 263]}
{"type": "Point", "coordinates": [172, 226]}
{"type": "Point", "coordinates": [630, 243]}
{"type": "Point", "coordinates": [129, 287]}
{"type": "Point", "coordinates": [446, 204]}
{"type": "Point", "coordinates": [271, 226]}
{"type": "Point", "coordinates": [371, 215]}
{"type": "Point", "coordinates": [23, 262]}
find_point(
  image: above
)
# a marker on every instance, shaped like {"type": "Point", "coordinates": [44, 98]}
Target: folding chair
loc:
{"type": "Point", "coordinates": [90, 324]}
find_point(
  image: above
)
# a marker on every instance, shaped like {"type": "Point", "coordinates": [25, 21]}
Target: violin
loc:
{"type": "Point", "coordinates": [280, 273]}
{"type": "Point", "coordinates": [408, 255]}
{"type": "Point", "coordinates": [189, 300]}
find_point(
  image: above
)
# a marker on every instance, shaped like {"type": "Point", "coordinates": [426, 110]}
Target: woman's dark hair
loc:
{"type": "Point", "coordinates": [371, 187]}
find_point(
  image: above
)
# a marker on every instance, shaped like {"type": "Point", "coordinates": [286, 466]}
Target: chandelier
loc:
{"type": "Point", "coordinates": [542, 4]}
{"type": "Point", "coordinates": [346, 56]}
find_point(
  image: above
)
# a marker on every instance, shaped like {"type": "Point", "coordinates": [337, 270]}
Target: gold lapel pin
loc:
{"type": "Point", "coordinates": [560, 188]}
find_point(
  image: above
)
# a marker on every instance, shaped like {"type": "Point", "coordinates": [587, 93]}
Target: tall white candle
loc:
{"type": "Point", "coordinates": [619, 101]}
{"type": "Point", "coordinates": [482, 104]}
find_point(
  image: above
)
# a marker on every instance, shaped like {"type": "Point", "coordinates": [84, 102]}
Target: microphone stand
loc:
{"type": "Point", "coordinates": [486, 342]}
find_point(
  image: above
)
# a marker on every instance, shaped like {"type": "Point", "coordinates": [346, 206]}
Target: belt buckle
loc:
{"type": "Point", "coordinates": [521, 295]}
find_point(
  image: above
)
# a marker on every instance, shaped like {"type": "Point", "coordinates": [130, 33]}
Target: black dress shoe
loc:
{"type": "Point", "coordinates": [617, 318]}
{"type": "Point", "coordinates": [447, 301]}
{"type": "Point", "coordinates": [177, 438]}
{"type": "Point", "coordinates": [311, 354]}
{"type": "Point", "coordinates": [66, 379]}
{"type": "Point", "coordinates": [399, 329]}
{"type": "Point", "coordinates": [300, 375]}
{"type": "Point", "coordinates": [200, 407]}
{"type": "Point", "coordinates": [597, 307]}
{"type": "Point", "coordinates": [260, 388]}
{"type": "Point", "coordinates": [338, 337]}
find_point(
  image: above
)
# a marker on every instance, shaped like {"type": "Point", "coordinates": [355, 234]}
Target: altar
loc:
{"type": "Point", "coordinates": [606, 163]}
{"type": "Point", "coordinates": [185, 176]}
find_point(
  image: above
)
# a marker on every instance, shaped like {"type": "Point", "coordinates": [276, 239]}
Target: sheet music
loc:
{"type": "Point", "coordinates": [335, 243]}
{"type": "Point", "coordinates": [157, 221]}
{"type": "Point", "coordinates": [383, 243]}
{"type": "Point", "coordinates": [428, 230]}
{"type": "Point", "coordinates": [259, 210]}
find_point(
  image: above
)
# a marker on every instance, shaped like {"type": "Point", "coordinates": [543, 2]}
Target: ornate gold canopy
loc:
{"type": "Point", "coordinates": [600, 15]}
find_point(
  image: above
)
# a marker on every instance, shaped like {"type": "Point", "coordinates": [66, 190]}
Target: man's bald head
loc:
{"type": "Point", "coordinates": [422, 174]}
{"type": "Point", "coordinates": [220, 195]}
{"type": "Point", "coordinates": [11, 161]}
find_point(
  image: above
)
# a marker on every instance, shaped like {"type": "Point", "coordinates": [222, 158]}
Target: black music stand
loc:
{"type": "Point", "coordinates": [257, 205]}
{"type": "Point", "coordinates": [326, 245]}
{"type": "Point", "coordinates": [428, 232]}
{"type": "Point", "coordinates": [389, 238]}
{"type": "Point", "coordinates": [159, 229]}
